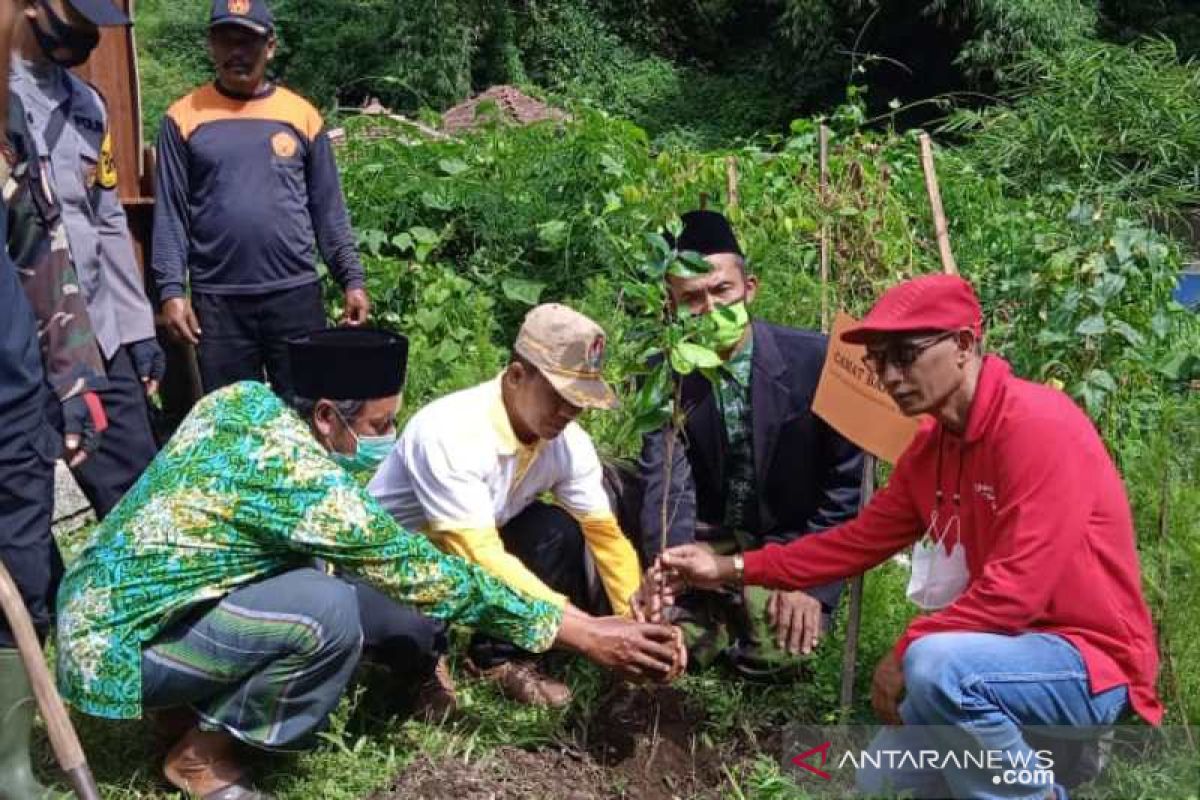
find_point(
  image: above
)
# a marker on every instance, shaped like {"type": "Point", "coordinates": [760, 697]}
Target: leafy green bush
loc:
{"type": "Point", "coordinates": [409, 53]}
{"type": "Point", "coordinates": [561, 212]}
{"type": "Point", "coordinates": [1007, 32]}
{"type": "Point", "coordinates": [172, 55]}
{"type": "Point", "coordinates": [464, 236]}
{"type": "Point", "coordinates": [1097, 119]}
{"type": "Point", "coordinates": [1129, 20]}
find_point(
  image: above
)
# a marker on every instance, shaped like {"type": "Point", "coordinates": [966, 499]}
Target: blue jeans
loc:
{"type": "Point", "coordinates": [975, 692]}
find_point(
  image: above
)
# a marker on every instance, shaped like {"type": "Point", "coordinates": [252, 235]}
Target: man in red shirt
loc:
{"type": "Point", "coordinates": [1027, 564]}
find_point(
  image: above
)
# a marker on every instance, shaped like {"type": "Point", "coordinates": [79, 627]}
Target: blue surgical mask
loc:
{"type": "Point", "coordinates": [369, 451]}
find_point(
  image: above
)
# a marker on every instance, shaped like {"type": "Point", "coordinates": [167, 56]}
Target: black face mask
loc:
{"type": "Point", "coordinates": [77, 45]}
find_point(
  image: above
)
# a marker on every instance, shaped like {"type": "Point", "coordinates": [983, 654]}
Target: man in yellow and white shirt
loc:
{"type": "Point", "coordinates": [470, 468]}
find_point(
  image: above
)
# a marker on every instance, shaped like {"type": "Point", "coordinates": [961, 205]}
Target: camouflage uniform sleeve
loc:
{"type": "Point", "coordinates": [37, 243]}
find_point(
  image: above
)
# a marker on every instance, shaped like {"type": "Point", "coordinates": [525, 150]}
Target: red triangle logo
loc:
{"type": "Point", "coordinates": [802, 762]}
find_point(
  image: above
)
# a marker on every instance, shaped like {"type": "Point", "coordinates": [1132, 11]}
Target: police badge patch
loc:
{"type": "Point", "coordinates": [106, 168]}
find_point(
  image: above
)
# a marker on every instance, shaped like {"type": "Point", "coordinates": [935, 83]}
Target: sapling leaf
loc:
{"type": "Point", "coordinates": [658, 244]}
{"type": "Point", "coordinates": [689, 356]}
{"type": "Point", "coordinates": [680, 363]}
{"type": "Point", "coordinates": [688, 264]}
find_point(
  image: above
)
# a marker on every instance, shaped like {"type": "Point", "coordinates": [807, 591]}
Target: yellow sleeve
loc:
{"type": "Point", "coordinates": [615, 559]}
{"type": "Point", "coordinates": [483, 546]}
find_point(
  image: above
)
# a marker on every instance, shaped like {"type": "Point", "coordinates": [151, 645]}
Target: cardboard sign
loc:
{"type": "Point", "coordinates": [855, 404]}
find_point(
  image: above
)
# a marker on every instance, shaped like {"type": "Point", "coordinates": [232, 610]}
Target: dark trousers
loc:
{"type": "Point", "coordinates": [243, 335]}
{"type": "Point", "coordinates": [28, 448]}
{"type": "Point", "coordinates": [399, 637]}
{"type": "Point", "coordinates": [550, 543]}
{"type": "Point", "coordinates": [127, 447]}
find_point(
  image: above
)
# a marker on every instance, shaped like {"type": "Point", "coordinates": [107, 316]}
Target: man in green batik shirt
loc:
{"type": "Point", "coordinates": [199, 589]}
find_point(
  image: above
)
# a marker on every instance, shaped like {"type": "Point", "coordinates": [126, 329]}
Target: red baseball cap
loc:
{"type": "Point", "coordinates": [928, 303]}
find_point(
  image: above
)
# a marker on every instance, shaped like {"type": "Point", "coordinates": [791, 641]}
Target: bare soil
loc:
{"type": "Point", "coordinates": [636, 743]}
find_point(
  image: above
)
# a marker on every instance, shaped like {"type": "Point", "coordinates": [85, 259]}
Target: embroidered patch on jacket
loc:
{"type": "Point", "coordinates": [284, 144]}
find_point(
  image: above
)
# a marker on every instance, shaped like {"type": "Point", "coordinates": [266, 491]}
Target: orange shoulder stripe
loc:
{"type": "Point", "coordinates": [206, 104]}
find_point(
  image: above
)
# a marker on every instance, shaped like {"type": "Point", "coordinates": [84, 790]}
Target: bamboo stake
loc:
{"type": "Point", "coordinates": [1171, 676]}
{"type": "Point", "coordinates": [63, 739]}
{"type": "Point", "coordinates": [940, 226]}
{"type": "Point", "coordinates": [823, 138]}
{"type": "Point", "coordinates": [704, 201]}
{"type": "Point", "coordinates": [854, 613]}
{"type": "Point", "coordinates": [731, 183]}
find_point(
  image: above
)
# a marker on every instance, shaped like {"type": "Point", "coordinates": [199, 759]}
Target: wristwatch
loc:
{"type": "Point", "coordinates": [739, 567]}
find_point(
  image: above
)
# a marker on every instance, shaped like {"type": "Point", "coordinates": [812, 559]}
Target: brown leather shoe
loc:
{"type": "Point", "coordinates": [436, 699]}
{"type": "Point", "coordinates": [203, 764]}
{"type": "Point", "coordinates": [523, 682]}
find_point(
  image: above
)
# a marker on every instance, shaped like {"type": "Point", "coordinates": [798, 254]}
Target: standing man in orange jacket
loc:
{"type": "Point", "coordinates": [247, 195]}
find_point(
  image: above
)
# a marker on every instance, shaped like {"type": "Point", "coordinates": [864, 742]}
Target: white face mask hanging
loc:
{"type": "Point", "coordinates": [939, 566]}
{"type": "Point", "coordinates": [939, 562]}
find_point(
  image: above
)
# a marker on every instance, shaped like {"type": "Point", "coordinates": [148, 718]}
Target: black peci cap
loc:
{"type": "Point", "coordinates": [707, 233]}
{"type": "Point", "coordinates": [348, 363]}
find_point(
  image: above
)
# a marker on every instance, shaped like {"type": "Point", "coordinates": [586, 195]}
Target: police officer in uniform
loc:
{"type": "Point", "coordinates": [68, 128]}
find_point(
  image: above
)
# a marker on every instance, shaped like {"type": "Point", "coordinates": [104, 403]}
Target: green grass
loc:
{"type": "Point", "coordinates": [368, 743]}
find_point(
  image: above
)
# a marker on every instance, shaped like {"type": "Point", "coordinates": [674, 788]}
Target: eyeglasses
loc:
{"type": "Point", "coordinates": [901, 353]}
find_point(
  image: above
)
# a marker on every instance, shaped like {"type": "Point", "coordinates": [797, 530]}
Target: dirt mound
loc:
{"type": "Point", "coordinates": [646, 738]}
{"type": "Point", "coordinates": [634, 743]}
{"type": "Point", "coordinates": [511, 105]}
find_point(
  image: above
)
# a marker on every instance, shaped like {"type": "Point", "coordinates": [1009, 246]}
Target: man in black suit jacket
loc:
{"type": "Point", "coordinates": [754, 464]}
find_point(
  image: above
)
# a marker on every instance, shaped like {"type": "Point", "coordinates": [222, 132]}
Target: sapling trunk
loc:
{"type": "Point", "coordinates": [676, 422]}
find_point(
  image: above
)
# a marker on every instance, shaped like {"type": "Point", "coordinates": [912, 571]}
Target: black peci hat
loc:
{"type": "Point", "coordinates": [707, 233]}
{"type": "Point", "coordinates": [348, 363]}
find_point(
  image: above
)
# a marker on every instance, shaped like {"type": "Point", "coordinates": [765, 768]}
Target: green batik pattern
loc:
{"type": "Point", "coordinates": [240, 492]}
{"type": "Point", "coordinates": [733, 393]}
